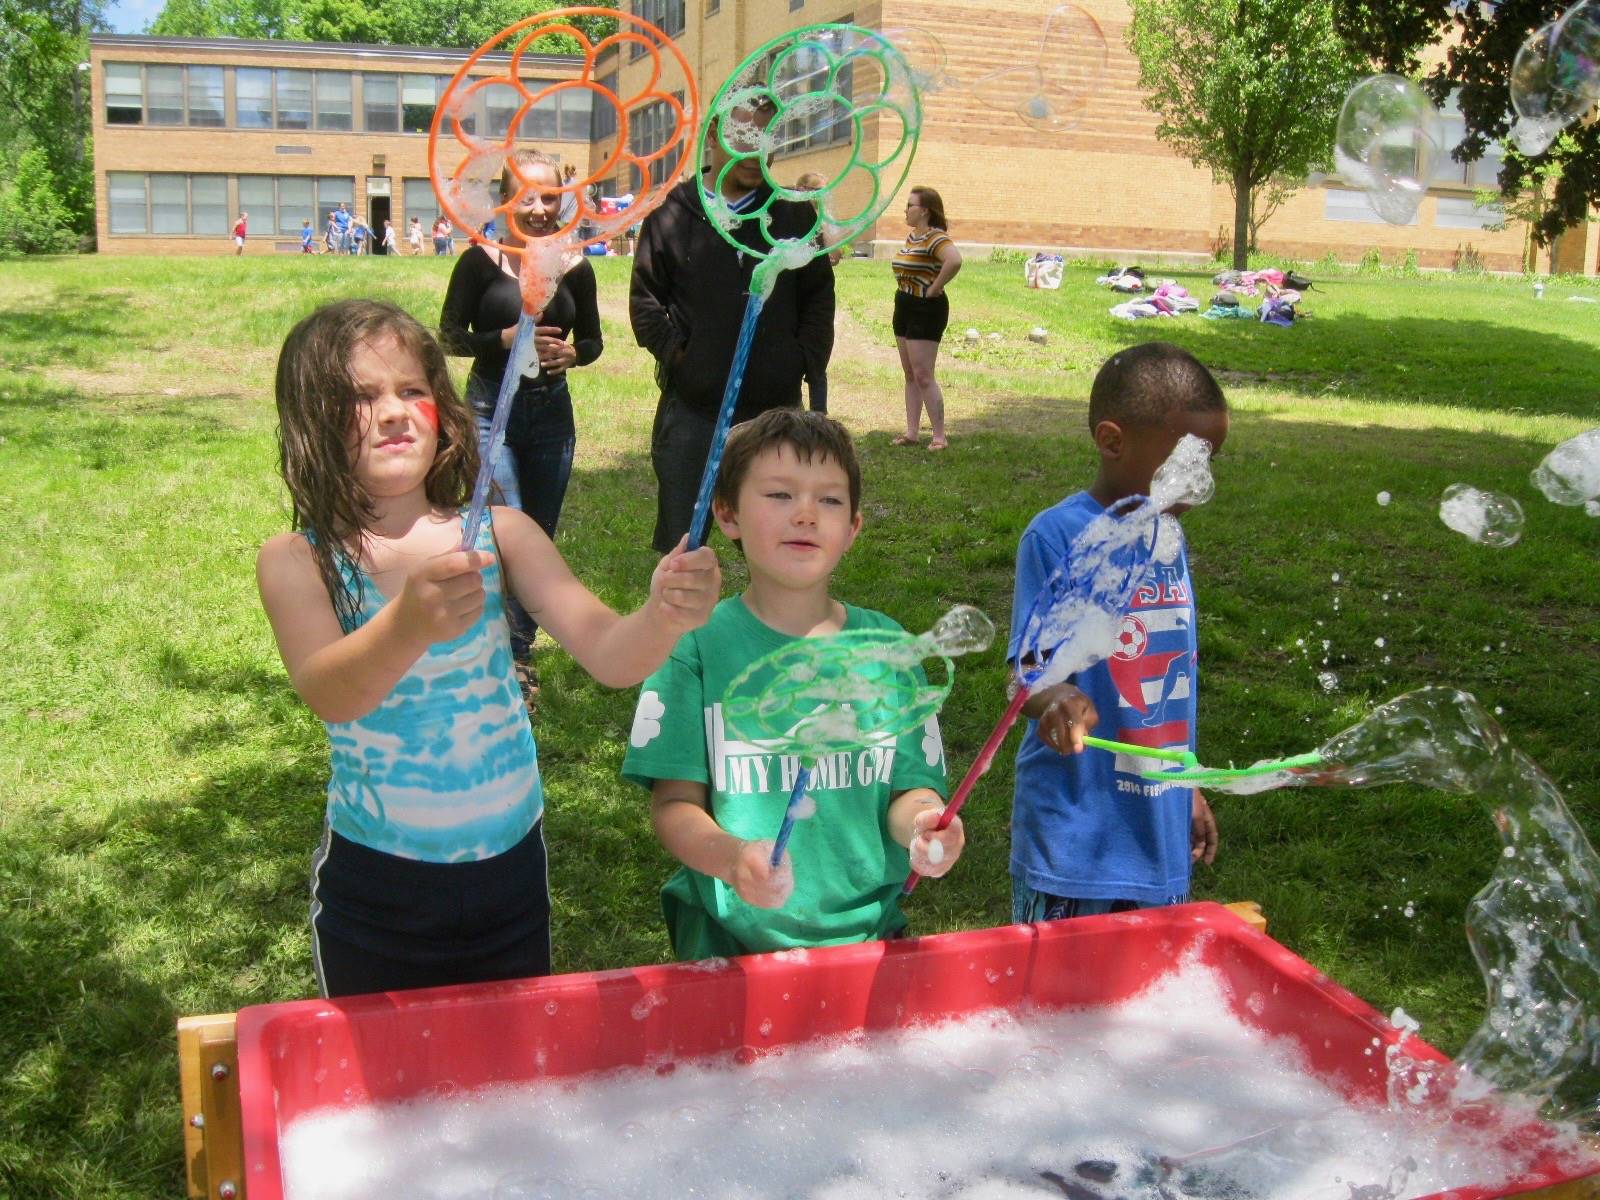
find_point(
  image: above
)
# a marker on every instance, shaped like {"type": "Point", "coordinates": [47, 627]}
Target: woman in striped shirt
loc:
{"type": "Point", "coordinates": [927, 262]}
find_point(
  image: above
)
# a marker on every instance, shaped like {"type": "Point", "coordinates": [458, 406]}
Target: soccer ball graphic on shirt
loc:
{"type": "Point", "coordinates": [1131, 638]}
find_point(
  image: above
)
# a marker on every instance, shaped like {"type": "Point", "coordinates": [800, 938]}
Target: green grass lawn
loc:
{"type": "Point", "coordinates": [161, 784]}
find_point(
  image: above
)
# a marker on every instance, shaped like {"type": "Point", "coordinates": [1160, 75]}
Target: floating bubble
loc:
{"type": "Point", "coordinates": [925, 55]}
{"type": "Point", "coordinates": [473, 195]}
{"type": "Point", "coordinates": [1386, 142]}
{"type": "Point", "coordinates": [1185, 478]}
{"type": "Point", "coordinates": [962, 630]}
{"type": "Point", "coordinates": [1329, 681]}
{"type": "Point", "coordinates": [1555, 77]}
{"type": "Point", "coordinates": [1484, 517]}
{"type": "Point", "coordinates": [1570, 474]}
{"type": "Point", "coordinates": [1051, 91]}
{"type": "Point", "coordinates": [1383, 499]}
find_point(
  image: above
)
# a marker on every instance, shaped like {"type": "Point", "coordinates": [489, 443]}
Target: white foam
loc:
{"type": "Point", "coordinates": [1170, 1086]}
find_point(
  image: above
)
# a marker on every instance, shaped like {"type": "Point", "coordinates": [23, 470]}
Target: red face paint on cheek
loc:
{"type": "Point", "coordinates": [429, 412]}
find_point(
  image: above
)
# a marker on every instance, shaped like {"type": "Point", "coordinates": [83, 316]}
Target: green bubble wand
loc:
{"type": "Point", "coordinates": [808, 83]}
{"type": "Point", "coordinates": [818, 696]}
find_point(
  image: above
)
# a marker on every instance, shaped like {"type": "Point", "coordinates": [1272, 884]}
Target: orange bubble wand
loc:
{"type": "Point", "coordinates": [467, 167]}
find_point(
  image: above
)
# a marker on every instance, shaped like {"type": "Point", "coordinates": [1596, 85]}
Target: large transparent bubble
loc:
{"type": "Point", "coordinates": [1570, 474]}
{"type": "Point", "coordinates": [1386, 143]}
{"type": "Point", "coordinates": [925, 55]}
{"type": "Point", "coordinates": [1555, 77]}
{"type": "Point", "coordinates": [1487, 518]}
{"type": "Point", "coordinates": [1050, 89]}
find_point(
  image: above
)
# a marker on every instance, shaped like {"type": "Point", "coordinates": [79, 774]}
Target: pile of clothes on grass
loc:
{"type": "Point", "coordinates": [1169, 299]}
{"type": "Point", "coordinates": [1281, 294]}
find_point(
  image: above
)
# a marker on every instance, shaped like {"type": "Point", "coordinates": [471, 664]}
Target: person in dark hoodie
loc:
{"type": "Point", "coordinates": [686, 303]}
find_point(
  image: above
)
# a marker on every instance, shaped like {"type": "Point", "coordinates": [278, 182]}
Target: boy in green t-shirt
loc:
{"type": "Point", "coordinates": [789, 493]}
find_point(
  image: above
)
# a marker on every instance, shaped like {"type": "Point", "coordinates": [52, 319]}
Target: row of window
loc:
{"type": "Point", "coordinates": [1450, 212]}
{"type": "Point", "coordinates": [277, 204]}
{"type": "Point", "coordinates": [296, 99]}
{"type": "Point", "coordinates": [666, 15]}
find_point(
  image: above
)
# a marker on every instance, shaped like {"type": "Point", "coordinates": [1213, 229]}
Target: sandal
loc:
{"type": "Point", "coordinates": [527, 684]}
{"type": "Point", "coordinates": [938, 444]}
{"type": "Point", "coordinates": [903, 440]}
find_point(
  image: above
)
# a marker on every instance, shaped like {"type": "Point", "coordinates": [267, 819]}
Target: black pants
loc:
{"type": "Point", "coordinates": [680, 443]}
{"type": "Point", "coordinates": [381, 923]}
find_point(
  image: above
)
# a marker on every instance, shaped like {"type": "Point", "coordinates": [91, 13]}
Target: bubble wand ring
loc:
{"type": "Point", "coordinates": [818, 696]}
{"type": "Point", "coordinates": [841, 57]}
{"type": "Point", "coordinates": [468, 185]}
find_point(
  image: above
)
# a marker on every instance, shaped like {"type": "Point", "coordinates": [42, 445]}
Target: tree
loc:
{"type": "Point", "coordinates": [1249, 88]}
{"type": "Point", "coordinates": [369, 22]}
{"type": "Point", "coordinates": [44, 97]}
{"type": "Point", "coordinates": [1483, 40]}
{"type": "Point", "coordinates": [33, 218]}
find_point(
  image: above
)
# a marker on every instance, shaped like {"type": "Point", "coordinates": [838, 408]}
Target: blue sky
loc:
{"type": "Point", "coordinates": [131, 16]}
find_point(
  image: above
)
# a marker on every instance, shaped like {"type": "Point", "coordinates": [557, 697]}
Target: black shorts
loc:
{"type": "Point", "coordinates": [383, 923]}
{"type": "Point", "coordinates": [920, 318]}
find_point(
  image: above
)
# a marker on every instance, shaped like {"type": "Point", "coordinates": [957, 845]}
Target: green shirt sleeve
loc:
{"type": "Point", "coordinates": [668, 737]}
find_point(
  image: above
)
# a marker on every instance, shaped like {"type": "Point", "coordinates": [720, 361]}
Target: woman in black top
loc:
{"type": "Point", "coordinates": [481, 309]}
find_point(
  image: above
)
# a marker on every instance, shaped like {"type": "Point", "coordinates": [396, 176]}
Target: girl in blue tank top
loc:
{"type": "Point", "coordinates": [432, 868]}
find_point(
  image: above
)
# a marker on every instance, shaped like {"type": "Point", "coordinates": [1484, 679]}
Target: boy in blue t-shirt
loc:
{"type": "Point", "coordinates": [1089, 835]}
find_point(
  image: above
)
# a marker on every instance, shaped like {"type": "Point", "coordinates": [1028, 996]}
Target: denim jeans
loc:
{"type": "Point", "coordinates": [534, 464]}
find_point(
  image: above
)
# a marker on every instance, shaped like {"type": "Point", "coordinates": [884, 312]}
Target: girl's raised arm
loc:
{"type": "Point", "coordinates": [617, 651]}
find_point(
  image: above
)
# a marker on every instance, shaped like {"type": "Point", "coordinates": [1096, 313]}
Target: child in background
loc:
{"type": "Point", "coordinates": [789, 494]}
{"type": "Point", "coordinates": [390, 245]}
{"type": "Point", "coordinates": [239, 228]}
{"type": "Point", "coordinates": [414, 235]}
{"type": "Point", "coordinates": [307, 235]}
{"type": "Point", "coordinates": [432, 867]}
{"type": "Point", "coordinates": [1088, 834]}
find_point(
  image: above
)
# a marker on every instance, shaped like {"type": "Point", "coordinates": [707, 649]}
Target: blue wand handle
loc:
{"type": "Point", "coordinates": [719, 436]}
{"type": "Point", "coordinates": [510, 381]}
{"type": "Point", "coordinates": [801, 781]}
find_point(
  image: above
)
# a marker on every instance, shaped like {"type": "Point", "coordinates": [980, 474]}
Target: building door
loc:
{"type": "Point", "coordinates": [378, 196]}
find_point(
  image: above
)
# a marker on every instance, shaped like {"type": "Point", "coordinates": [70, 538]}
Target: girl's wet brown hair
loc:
{"type": "Point", "coordinates": [317, 403]}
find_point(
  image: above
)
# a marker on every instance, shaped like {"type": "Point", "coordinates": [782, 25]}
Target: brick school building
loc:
{"type": "Point", "coordinates": [190, 131]}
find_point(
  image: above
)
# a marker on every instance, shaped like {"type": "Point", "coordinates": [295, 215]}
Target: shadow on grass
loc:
{"type": "Point", "coordinates": [74, 328]}
{"type": "Point", "coordinates": [190, 901]}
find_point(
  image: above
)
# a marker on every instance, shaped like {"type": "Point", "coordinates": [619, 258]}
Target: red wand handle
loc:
{"type": "Point", "coordinates": [976, 771]}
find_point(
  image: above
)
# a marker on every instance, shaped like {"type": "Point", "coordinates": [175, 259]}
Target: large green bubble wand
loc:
{"type": "Point", "coordinates": [819, 84]}
{"type": "Point", "coordinates": [819, 696]}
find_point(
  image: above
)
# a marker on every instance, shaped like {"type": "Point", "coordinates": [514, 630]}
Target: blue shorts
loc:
{"type": "Point", "coordinates": [1029, 907]}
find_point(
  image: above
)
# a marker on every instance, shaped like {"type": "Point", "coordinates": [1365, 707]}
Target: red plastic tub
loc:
{"type": "Point", "coordinates": [303, 1056]}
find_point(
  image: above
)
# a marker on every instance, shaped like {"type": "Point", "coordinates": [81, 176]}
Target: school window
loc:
{"type": "Point", "coordinates": [163, 89]}
{"type": "Point", "coordinates": [500, 104]}
{"type": "Point", "coordinates": [1340, 205]}
{"type": "Point", "coordinates": [713, 7]}
{"type": "Point", "coordinates": [278, 204]}
{"type": "Point", "coordinates": [205, 96]}
{"type": "Point", "coordinates": [252, 97]}
{"type": "Point", "coordinates": [796, 5]}
{"type": "Point", "coordinates": [824, 125]}
{"type": "Point", "coordinates": [419, 200]}
{"type": "Point", "coordinates": [295, 203]}
{"type": "Point", "coordinates": [167, 203]}
{"type": "Point", "coordinates": [603, 118]}
{"type": "Point", "coordinates": [650, 129]}
{"type": "Point", "coordinates": [333, 100]}
{"type": "Point", "coordinates": [293, 104]}
{"type": "Point", "coordinates": [544, 115]}
{"type": "Point", "coordinates": [665, 15]}
{"type": "Point", "coordinates": [124, 94]}
{"type": "Point", "coordinates": [419, 96]}
{"type": "Point", "coordinates": [380, 103]}
{"type": "Point", "coordinates": [1460, 212]}
{"type": "Point", "coordinates": [1447, 172]}
{"type": "Point", "coordinates": [576, 113]}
